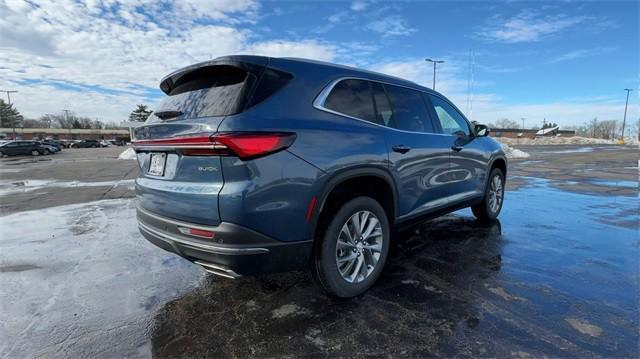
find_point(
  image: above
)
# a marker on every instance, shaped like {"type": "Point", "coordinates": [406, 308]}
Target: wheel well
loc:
{"type": "Point", "coordinates": [501, 164]}
{"type": "Point", "coordinates": [371, 186]}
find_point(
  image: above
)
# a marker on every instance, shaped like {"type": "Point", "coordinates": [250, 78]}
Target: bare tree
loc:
{"type": "Point", "coordinates": [504, 123]}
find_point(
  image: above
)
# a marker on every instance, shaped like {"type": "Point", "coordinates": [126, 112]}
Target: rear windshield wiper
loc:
{"type": "Point", "coordinates": [168, 114]}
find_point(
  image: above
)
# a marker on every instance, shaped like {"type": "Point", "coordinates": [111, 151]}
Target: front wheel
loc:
{"type": "Point", "coordinates": [352, 248]}
{"type": "Point", "coordinates": [489, 208]}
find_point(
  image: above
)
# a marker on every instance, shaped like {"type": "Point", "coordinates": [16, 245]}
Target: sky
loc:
{"type": "Point", "coordinates": [563, 61]}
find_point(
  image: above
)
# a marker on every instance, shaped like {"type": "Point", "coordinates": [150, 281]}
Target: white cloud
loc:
{"type": "Point", "coordinates": [577, 54]}
{"type": "Point", "coordinates": [391, 26]}
{"type": "Point", "coordinates": [488, 107]}
{"type": "Point", "coordinates": [116, 51]}
{"type": "Point", "coordinates": [527, 26]}
{"type": "Point", "coordinates": [359, 5]}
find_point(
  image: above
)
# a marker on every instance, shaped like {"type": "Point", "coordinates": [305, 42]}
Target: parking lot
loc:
{"type": "Point", "coordinates": [557, 276]}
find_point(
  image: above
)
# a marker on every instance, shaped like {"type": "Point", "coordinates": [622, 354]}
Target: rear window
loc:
{"type": "Point", "coordinates": [219, 90]}
{"type": "Point", "coordinates": [208, 91]}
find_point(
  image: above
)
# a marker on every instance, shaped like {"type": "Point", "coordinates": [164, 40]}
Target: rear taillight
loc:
{"type": "Point", "coordinates": [244, 145]}
{"type": "Point", "coordinates": [252, 145]}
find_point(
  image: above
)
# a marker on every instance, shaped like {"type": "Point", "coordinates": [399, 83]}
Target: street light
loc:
{"type": "Point", "coordinates": [435, 62]}
{"type": "Point", "coordinates": [624, 119]}
{"type": "Point", "coordinates": [9, 92]}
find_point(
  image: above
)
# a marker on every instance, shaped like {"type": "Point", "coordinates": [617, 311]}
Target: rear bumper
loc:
{"type": "Point", "coordinates": [233, 252]}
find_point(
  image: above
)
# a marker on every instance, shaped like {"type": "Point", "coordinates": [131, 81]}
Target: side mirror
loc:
{"type": "Point", "coordinates": [482, 130]}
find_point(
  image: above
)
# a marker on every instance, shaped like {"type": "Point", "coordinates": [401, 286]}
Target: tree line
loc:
{"type": "Point", "coordinates": [10, 117]}
{"type": "Point", "coordinates": [609, 129]}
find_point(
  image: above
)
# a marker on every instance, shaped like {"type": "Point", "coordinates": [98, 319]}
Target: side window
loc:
{"type": "Point", "coordinates": [353, 98]}
{"type": "Point", "coordinates": [409, 110]}
{"type": "Point", "coordinates": [385, 114]}
{"type": "Point", "coordinates": [450, 119]}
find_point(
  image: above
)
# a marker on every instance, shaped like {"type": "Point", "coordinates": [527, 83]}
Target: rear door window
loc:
{"type": "Point", "coordinates": [409, 110]}
{"type": "Point", "coordinates": [352, 98]}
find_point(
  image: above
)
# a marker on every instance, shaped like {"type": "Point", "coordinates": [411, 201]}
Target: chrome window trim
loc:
{"type": "Point", "coordinates": [319, 101]}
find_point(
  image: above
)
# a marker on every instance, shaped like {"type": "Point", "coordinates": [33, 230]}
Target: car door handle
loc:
{"type": "Point", "coordinates": [457, 148]}
{"type": "Point", "coordinates": [401, 148]}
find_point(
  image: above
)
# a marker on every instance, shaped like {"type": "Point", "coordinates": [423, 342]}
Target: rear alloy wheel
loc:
{"type": "Point", "coordinates": [353, 249]}
{"type": "Point", "coordinates": [489, 208]}
{"type": "Point", "coordinates": [35, 153]}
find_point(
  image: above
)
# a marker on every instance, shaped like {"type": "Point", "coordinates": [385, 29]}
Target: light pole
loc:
{"type": "Point", "coordinates": [13, 122]}
{"type": "Point", "coordinates": [435, 62]}
{"type": "Point", "coordinates": [624, 119]}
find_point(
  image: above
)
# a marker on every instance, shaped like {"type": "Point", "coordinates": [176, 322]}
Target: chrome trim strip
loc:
{"type": "Point", "coordinates": [175, 222]}
{"type": "Point", "coordinates": [173, 147]}
{"type": "Point", "coordinates": [319, 101]}
{"type": "Point", "coordinates": [458, 197]}
{"type": "Point", "coordinates": [207, 247]}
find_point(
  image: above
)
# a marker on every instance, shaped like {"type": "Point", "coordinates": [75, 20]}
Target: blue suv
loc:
{"type": "Point", "coordinates": [256, 164]}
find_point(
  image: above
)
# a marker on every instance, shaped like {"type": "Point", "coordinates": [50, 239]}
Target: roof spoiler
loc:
{"type": "Point", "coordinates": [252, 64]}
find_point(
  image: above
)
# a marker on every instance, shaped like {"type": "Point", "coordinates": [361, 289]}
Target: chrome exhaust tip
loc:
{"type": "Point", "coordinates": [218, 270]}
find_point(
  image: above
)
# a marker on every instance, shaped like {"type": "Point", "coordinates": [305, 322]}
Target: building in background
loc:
{"type": "Point", "coordinates": [65, 133]}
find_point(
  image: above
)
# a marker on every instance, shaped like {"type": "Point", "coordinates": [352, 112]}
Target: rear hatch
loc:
{"type": "Point", "coordinates": [179, 157]}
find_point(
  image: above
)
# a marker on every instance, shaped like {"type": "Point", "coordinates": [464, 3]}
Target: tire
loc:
{"type": "Point", "coordinates": [342, 280]}
{"type": "Point", "coordinates": [488, 210]}
{"type": "Point", "coordinates": [2, 154]}
{"type": "Point", "coordinates": [46, 152]}
{"type": "Point", "coordinates": [35, 153]}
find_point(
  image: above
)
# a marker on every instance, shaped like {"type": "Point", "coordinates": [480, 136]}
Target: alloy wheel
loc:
{"type": "Point", "coordinates": [496, 193]}
{"type": "Point", "coordinates": [359, 246]}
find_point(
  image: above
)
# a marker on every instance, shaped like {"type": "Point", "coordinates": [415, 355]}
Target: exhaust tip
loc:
{"type": "Point", "coordinates": [218, 270]}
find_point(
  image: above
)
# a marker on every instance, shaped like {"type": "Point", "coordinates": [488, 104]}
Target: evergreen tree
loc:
{"type": "Point", "coordinates": [140, 114]}
{"type": "Point", "coordinates": [9, 116]}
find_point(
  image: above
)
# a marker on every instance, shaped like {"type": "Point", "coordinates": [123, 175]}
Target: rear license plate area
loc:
{"type": "Point", "coordinates": [157, 164]}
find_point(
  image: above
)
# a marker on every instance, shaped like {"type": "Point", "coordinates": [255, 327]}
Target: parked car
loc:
{"type": "Point", "coordinates": [14, 148]}
{"type": "Point", "coordinates": [254, 164]}
{"type": "Point", "coordinates": [117, 142]}
{"type": "Point", "coordinates": [86, 144]}
{"type": "Point", "coordinates": [48, 149]}
{"type": "Point", "coordinates": [53, 143]}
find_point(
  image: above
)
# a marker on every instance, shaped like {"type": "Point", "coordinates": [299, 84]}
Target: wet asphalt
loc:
{"type": "Point", "coordinates": [556, 276]}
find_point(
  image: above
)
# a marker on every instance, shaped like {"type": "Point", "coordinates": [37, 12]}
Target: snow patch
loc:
{"type": "Point", "coordinates": [288, 310]}
{"type": "Point", "coordinates": [128, 154]}
{"type": "Point", "coordinates": [511, 152]}
{"type": "Point", "coordinates": [33, 185]}
{"type": "Point", "coordinates": [575, 140]}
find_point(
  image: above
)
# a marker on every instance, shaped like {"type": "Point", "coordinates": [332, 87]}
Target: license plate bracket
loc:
{"type": "Point", "coordinates": [157, 164]}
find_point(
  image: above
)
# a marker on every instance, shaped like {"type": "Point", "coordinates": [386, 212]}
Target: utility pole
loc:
{"type": "Point", "coordinates": [522, 123]}
{"type": "Point", "coordinates": [435, 62]}
{"type": "Point", "coordinates": [624, 119]}
{"type": "Point", "coordinates": [13, 122]}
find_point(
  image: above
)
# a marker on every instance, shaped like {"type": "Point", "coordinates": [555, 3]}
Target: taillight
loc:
{"type": "Point", "coordinates": [245, 145]}
{"type": "Point", "coordinates": [252, 145]}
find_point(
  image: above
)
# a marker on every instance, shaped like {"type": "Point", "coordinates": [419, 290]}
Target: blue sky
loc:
{"type": "Point", "coordinates": [566, 61]}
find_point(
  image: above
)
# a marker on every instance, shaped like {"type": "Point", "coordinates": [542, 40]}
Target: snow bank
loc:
{"type": "Point", "coordinates": [514, 152]}
{"type": "Point", "coordinates": [128, 154]}
{"type": "Point", "coordinates": [575, 140]}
